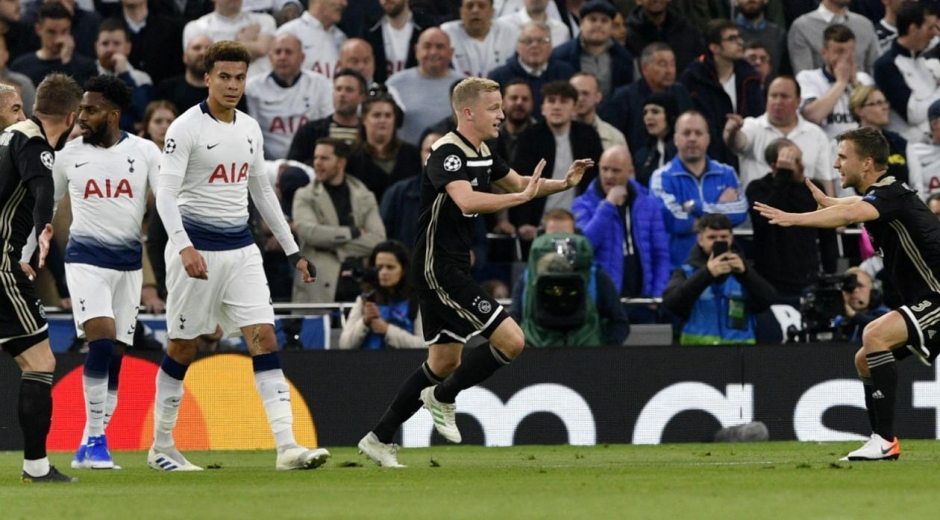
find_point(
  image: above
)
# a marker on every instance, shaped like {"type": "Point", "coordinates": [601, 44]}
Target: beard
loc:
{"type": "Point", "coordinates": [96, 136]}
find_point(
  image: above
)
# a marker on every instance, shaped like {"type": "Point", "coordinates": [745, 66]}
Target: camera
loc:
{"type": "Point", "coordinates": [366, 277]}
{"type": "Point", "coordinates": [821, 305]}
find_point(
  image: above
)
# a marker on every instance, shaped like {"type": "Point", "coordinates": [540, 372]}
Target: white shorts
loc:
{"type": "Point", "coordinates": [98, 292]}
{"type": "Point", "coordinates": [235, 295]}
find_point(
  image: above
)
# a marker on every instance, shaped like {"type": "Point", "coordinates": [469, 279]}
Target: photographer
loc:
{"type": "Point", "coordinates": [789, 258]}
{"type": "Point", "coordinates": [862, 304]}
{"type": "Point", "coordinates": [386, 314]}
{"type": "Point", "coordinates": [714, 293]}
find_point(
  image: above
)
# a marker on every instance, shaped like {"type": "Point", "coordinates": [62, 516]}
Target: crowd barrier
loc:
{"type": "Point", "coordinates": [640, 395]}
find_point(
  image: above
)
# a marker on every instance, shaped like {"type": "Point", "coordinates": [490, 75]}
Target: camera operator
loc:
{"type": "Point", "coordinates": [385, 315]}
{"type": "Point", "coordinates": [862, 303]}
{"type": "Point", "coordinates": [788, 257]}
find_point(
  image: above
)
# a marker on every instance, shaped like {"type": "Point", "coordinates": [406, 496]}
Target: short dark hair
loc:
{"type": "Point", "coordinates": [340, 148]}
{"type": "Point", "coordinates": [869, 142]}
{"type": "Point", "coordinates": [53, 11]}
{"type": "Point", "coordinates": [910, 13]}
{"type": "Point", "coordinates": [756, 44]}
{"type": "Point", "coordinates": [114, 24]}
{"type": "Point", "coordinates": [717, 221]}
{"type": "Point", "coordinates": [58, 95]}
{"type": "Point", "coordinates": [225, 51]}
{"type": "Point", "coordinates": [559, 88]}
{"type": "Point", "coordinates": [646, 55]}
{"type": "Point", "coordinates": [114, 90]}
{"type": "Point", "coordinates": [363, 86]}
{"type": "Point", "coordinates": [715, 28]}
{"type": "Point", "coordinates": [796, 84]}
{"type": "Point", "coordinates": [838, 33]}
{"type": "Point", "coordinates": [773, 149]}
{"type": "Point", "coordinates": [517, 81]}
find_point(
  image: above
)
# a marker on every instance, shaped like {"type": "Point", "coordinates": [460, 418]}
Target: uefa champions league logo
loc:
{"type": "Point", "coordinates": [452, 163]}
{"type": "Point", "coordinates": [170, 146]}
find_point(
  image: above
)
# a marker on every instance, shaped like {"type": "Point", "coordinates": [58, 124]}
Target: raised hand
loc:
{"type": "Point", "coordinates": [576, 171]}
{"type": "Point", "coordinates": [535, 183]}
{"type": "Point", "coordinates": [773, 215]}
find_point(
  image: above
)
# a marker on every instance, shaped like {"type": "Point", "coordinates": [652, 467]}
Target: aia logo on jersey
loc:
{"type": "Point", "coordinates": [108, 190]}
{"type": "Point", "coordinates": [934, 184]}
{"type": "Point", "coordinates": [322, 68]}
{"type": "Point", "coordinates": [231, 176]}
{"type": "Point", "coordinates": [287, 125]}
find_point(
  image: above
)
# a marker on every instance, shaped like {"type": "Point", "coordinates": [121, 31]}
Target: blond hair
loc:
{"type": "Point", "coordinates": [469, 90]}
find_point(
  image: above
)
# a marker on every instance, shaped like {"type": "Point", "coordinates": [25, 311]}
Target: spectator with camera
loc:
{"type": "Point", "coordinates": [788, 257]}
{"type": "Point", "coordinates": [563, 298]}
{"type": "Point", "coordinates": [715, 294]}
{"type": "Point", "coordinates": [862, 303]}
{"type": "Point", "coordinates": [386, 314]}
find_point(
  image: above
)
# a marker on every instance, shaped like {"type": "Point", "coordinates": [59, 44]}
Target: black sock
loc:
{"type": "Point", "coordinates": [406, 402]}
{"type": "Point", "coordinates": [869, 389]}
{"type": "Point", "coordinates": [35, 412]}
{"type": "Point", "coordinates": [477, 366]}
{"type": "Point", "coordinates": [884, 378]}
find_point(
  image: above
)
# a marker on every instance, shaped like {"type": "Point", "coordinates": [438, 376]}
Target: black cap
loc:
{"type": "Point", "coordinates": [597, 6]}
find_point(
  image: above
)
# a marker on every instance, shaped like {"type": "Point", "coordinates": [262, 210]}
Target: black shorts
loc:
{"type": "Point", "coordinates": [22, 318]}
{"type": "Point", "coordinates": [923, 327]}
{"type": "Point", "coordinates": [458, 310]}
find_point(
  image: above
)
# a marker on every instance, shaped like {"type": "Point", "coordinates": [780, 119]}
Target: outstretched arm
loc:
{"type": "Point", "coordinates": [471, 202]}
{"type": "Point", "coordinates": [832, 217]}
{"type": "Point", "coordinates": [515, 183]}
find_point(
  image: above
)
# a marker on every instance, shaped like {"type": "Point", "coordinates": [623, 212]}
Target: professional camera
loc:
{"type": "Point", "coordinates": [819, 308]}
{"type": "Point", "coordinates": [357, 280]}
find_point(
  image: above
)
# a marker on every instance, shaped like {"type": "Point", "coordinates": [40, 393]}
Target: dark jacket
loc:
{"type": "Point", "coordinates": [556, 70]}
{"type": "Point", "coordinates": [625, 109]}
{"type": "Point", "coordinates": [710, 98]}
{"type": "Point", "coordinates": [305, 140]}
{"type": "Point", "coordinates": [646, 159]}
{"type": "Point", "coordinates": [683, 38]}
{"type": "Point", "coordinates": [621, 61]}
{"type": "Point", "coordinates": [789, 257]}
{"type": "Point", "coordinates": [536, 143]}
{"type": "Point", "coordinates": [419, 22]}
{"type": "Point", "coordinates": [157, 48]}
{"type": "Point", "coordinates": [407, 164]}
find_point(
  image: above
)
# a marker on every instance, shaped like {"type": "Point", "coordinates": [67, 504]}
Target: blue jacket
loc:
{"type": "Point", "coordinates": [674, 185]}
{"type": "Point", "coordinates": [601, 223]}
{"type": "Point", "coordinates": [555, 70]}
{"type": "Point", "coordinates": [621, 61]}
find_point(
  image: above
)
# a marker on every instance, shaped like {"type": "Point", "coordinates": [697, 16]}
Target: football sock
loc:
{"type": "Point", "coordinates": [478, 365]}
{"type": "Point", "coordinates": [406, 403]}
{"type": "Point", "coordinates": [884, 377]}
{"type": "Point", "coordinates": [95, 384]}
{"type": "Point", "coordinates": [35, 414]}
{"type": "Point", "coordinates": [114, 377]}
{"type": "Point", "coordinates": [275, 394]}
{"type": "Point", "coordinates": [869, 388]}
{"type": "Point", "coordinates": [166, 406]}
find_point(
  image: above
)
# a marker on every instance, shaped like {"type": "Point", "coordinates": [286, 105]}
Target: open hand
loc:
{"type": "Point", "coordinates": [576, 171]}
{"type": "Point", "coordinates": [774, 215]}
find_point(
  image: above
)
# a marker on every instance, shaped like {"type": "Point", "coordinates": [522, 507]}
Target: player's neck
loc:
{"type": "Point", "coordinates": [226, 115]}
{"type": "Point", "coordinates": [111, 138]}
{"type": "Point", "coordinates": [470, 135]}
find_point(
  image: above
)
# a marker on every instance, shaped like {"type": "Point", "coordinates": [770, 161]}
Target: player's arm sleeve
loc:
{"type": "Point", "coordinates": [173, 165]}
{"type": "Point", "coordinates": [153, 167]}
{"type": "Point", "coordinates": [500, 168]}
{"type": "Point", "coordinates": [35, 166]}
{"type": "Point", "coordinates": [268, 206]}
{"type": "Point", "coordinates": [448, 164]}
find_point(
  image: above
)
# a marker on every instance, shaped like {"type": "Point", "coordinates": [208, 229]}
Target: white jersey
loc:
{"type": "Point", "coordinates": [281, 110]}
{"type": "Point", "coordinates": [320, 46]}
{"type": "Point", "coordinates": [559, 30]}
{"type": "Point", "coordinates": [923, 164]}
{"type": "Point", "coordinates": [815, 83]}
{"type": "Point", "coordinates": [219, 28]}
{"type": "Point", "coordinates": [108, 192]}
{"type": "Point", "coordinates": [214, 159]}
{"type": "Point", "coordinates": [478, 58]}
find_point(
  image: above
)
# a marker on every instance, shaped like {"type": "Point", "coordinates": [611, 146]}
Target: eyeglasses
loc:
{"type": "Point", "coordinates": [879, 103]}
{"type": "Point", "coordinates": [756, 59]}
{"type": "Point", "coordinates": [530, 41]}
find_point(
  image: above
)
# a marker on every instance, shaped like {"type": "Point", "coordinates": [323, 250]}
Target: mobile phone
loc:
{"type": "Point", "coordinates": [719, 247]}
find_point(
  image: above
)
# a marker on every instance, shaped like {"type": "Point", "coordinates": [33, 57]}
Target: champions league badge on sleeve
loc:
{"type": "Point", "coordinates": [452, 163]}
{"type": "Point", "coordinates": [170, 146]}
{"type": "Point", "coordinates": [48, 160]}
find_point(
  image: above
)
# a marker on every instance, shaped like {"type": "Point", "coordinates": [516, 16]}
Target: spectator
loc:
{"type": "Point", "coordinates": [862, 304]}
{"type": "Point", "coordinates": [16, 34]}
{"type": "Point", "coordinates": [229, 21]}
{"type": "Point", "coordinates": [624, 224]}
{"type": "Point", "coordinates": [825, 91]}
{"type": "Point", "coordinates": [401, 203]}
{"type": "Point", "coordinates": [723, 85]}
{"type": "Point", "coordinates": [693, 184]}
{"type": "Point", "coordinates": [905, 75]}
{"type": "Point", "coordinates": [349, 91]}
{"type": "Point", "coordinates": [595, 51]}
{"type": "Point", "coordinates": [807, 31]}
{"type": "Point", "coordinates": [749, 137]}
{"type": "Point", "coordinates": [156, 40]}
{"type": "Point", "coordinates": [19, 81]}
{"type": "Point", "coordinates": [585, 110]}
{"type": "Point", "coordinates": [381, 158]}
{"type": "Point", "coordinates": [11, 107]}
{"type": "Point", "coordinates": [113, 48]}
{"type": "Point", "coordinates": [187, 10]}
{"type": "Point", "coordinates": [518, 107]}
{"type": "Point", "coordinates": [933, 202]}
{"type": "Point", "coordinates": [923, 159]}
{"type": "Point", "coordinates": [533, 61]}
{"type": "Point", "coordinates": [714, 293]}
{"type": "Point", "coordinates": [317, 31]}
{"type": "Point", "coordinates": [356, 54]}
{"type": "Point", "coordinates": [189, 89]}
{"type": "Point", "coordinates": [386, 314]}
{"type": "Point", "coordinates": [394, 38]}
{"type": "Point", "coordinates": [655, 21]}
{"type": "Point", "coordinates": [288, 98]}
{"type": "Point", "coordinates": [886, 30]}
{"type": "Point", "coordinates": [788, 257]}
{"type": "Point", "coordinates": [445, 10]}
{"type": "Point", "coordinates": [870, 107]}
{"type": "Point", "coordinates": [659, 120]}
{"type": "Point", "coordinates": [755, 27]}
{"type": "Point", "coordinates": [85, 21]}
{"type": "Point", "coordinates": [481, 44]}
{"type": "Point", "coordinates": [57, 52]}
{"type": "Point", "coordinates": [657, 74]}
{"type": "Point", "coordinates": [618, 29]}
{"type": "Point", "coordinates": [157, 118]}
{"type": "Point", "coordinates": [425, 90]}
{"type": "Point", "coordinates": [558, 140]}
{"type": "Point", "coordinates": [537, 11]}
{"type": "Point", "coordinates": [603, 320]}
{"type": "Point", "coordinates": [760, 58]}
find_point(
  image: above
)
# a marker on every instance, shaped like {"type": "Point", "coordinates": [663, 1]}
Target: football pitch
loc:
{"type": "Point", "coordinates": [783, 480]}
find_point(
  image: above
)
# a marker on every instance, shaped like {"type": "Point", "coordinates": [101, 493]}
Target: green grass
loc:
{"type": "Point", "coordinates": [783, 480]}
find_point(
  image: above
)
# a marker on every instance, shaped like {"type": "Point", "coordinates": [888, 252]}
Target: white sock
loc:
{"type": "Point", "coordinates": [275, 393]}
{"type": "Point", "coordinates": [111, 405]}
{"type": "Point", "coordinates": [36, 468]}
{"type": "Point", "coordinates": [166, 409]}
{"type": "Point", "coordinates": [96, 396]}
